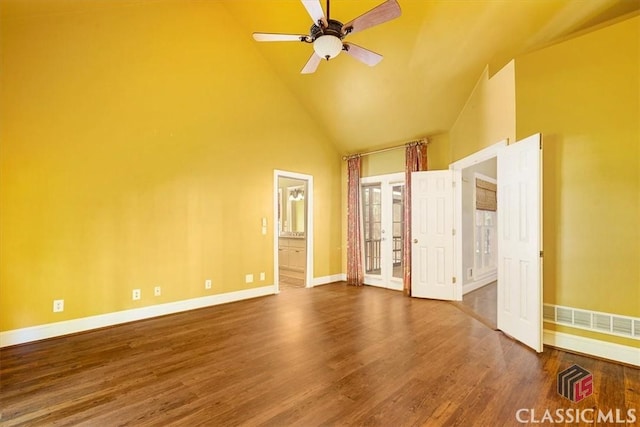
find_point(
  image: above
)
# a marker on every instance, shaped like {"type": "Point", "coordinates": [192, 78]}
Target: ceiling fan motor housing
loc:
{"type": "Point", "coordinates": [334, 28]}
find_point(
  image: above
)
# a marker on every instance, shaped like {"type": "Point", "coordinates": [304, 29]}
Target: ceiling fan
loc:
{"type": "Point", "coordinates": [326, 34]}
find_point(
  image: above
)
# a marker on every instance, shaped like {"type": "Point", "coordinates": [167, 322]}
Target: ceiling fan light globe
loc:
{"type": "Point", "coordinates": [327, 46]}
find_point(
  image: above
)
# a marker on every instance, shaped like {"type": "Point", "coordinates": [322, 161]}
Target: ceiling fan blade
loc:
{"type": "Point", "coordinates": [274, 37]}
{"type": "Point", "coordinates": [314, 8]}
{"type": "Point", "coordinates": [363, 55]}
{"type": "Point", "coordinates": [312, 64]}
{"type": "Point", "coordinates": [384, 12]}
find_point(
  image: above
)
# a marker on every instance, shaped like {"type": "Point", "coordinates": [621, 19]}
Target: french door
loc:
{"type": "Point", "coordinates": [519, 231]}
{"type": "Point", "coordinates": [382, 223]}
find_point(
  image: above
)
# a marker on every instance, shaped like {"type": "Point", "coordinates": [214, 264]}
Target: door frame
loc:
{"type": "Point", "coordinates": [385, 179]}
{"type": "Point", "coordinates": [471, 160]}
{"type": "Point", "coordinates": [308, 271]}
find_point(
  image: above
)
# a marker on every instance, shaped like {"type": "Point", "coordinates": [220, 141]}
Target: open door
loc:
{"type": "Point", "coordinates": [519, 241]}
{"type": "Point", "coordinates": [432, 235]}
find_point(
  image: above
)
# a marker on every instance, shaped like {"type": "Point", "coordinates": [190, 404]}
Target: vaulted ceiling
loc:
{"type": "Point", "coordinates": [434, 54]}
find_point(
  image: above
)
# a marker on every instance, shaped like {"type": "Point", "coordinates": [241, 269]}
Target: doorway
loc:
{"type": "Point", "coordinates": [382, 223]}
{"type": "Point", "coordinates": [437, 261]}
{"type": "Point", "coordinates": [293, 230]}
{"type": "Point", "coordinates": [479, 240]}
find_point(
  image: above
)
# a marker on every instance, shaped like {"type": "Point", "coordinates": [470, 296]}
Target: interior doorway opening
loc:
{"type": "Point", "coordinates": [479, 240]}
{"type": "Point", "coordinates": [476, 207]}
{"type": "Point", "coordinates": [293, 230]}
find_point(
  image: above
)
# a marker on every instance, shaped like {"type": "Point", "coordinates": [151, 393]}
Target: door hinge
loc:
{"type": "Point", "coordinates": [453, 232]}
{"type": "Point", "coordinates": [541, 254]}
{"type": "Point", "coordinates": [453, 279]}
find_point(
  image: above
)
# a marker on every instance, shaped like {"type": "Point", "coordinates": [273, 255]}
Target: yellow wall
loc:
{"type": "Point", "coordinates": [583, 95]}
{"type": "Point", "coordinates": [488, 117]}
{"type": "Point", "coordinates": [439, 152]}
{"type": "Point", "coordinates": [383, 163]}
{"type": "Point", "coordinates": [136, 152]}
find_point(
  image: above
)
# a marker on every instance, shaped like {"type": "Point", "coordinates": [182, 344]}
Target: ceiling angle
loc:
{"type": "Point", "coordinates": [327, 35]}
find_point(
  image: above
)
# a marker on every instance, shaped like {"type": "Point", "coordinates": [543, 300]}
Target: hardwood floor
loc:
{"type": "Point", "coordinates": [482, 304]}
{"type": "Point", "coordinates": [330, 355]}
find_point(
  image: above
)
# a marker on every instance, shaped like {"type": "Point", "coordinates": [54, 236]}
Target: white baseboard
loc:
{"type": "Point", "coordinates": [589, 346]}
{"type": "Point", "coordinates": [477, 284]}
{"type": "Point", "coordinates": [325, 280]}
{"type": "Point", "coordinates": [50, 330]}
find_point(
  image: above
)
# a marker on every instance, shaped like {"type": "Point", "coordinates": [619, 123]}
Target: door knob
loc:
{"type": "Point", "coordinates": [415, 240]}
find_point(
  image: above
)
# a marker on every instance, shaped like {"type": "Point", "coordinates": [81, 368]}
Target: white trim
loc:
{"type": "Point", "coordinates": [325, 280]}
{"type": "Point", "coordinates": [51, 330]}
{"type": "Point", "coordinates": [480, 156]}
{"type": "Point", "coordinates": [308, 229]}
{"type": "Point", "coordinates": [606, 350]}
{"type": "Point", "coordinates": [389, 178]}
{"type": "Point", "coordinates": [477, 284]}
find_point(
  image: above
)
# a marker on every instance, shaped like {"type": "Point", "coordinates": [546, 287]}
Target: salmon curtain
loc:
{"type": "Point", "coordinates": [355, 272]}
{"type": "Point", "coordinates": [415, 160]}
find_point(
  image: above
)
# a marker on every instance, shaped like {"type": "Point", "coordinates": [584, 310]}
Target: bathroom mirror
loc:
{"type": "Point", "coordinates": [295, 208]}
{"type": "Point", "coordinates": [292, 206]}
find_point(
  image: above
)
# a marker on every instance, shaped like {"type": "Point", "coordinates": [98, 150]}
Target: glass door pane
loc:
{"type": "Point", "coordinates": [372, 219]}
{"type": "Point", "coordinates": [398, 229]}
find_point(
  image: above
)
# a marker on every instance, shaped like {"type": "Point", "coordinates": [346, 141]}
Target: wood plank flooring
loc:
{"type": "Point", "coordinates": [332, 355]}
{"type": "Point", "coordinates": [482, 304]}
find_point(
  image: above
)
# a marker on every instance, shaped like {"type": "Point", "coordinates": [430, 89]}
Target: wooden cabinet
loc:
{"type": "Point", "coordinates": [292, 253]}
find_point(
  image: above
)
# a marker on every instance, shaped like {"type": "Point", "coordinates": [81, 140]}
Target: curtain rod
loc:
{"type": "Point", "coordinates": [382, 150]}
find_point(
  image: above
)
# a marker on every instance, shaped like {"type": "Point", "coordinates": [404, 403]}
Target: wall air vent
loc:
{"type": "Point", "coordinates": [612, 324]}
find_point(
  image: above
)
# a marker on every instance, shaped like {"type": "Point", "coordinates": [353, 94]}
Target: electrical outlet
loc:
{"type": "Point", "coordinates": [262, 276]}
{"type": "Point", "coordinates": [157, 291]}
{"type": "Point", "coordinates": [248, 278]}
{"type": "Point", "coordinates": [136, 294]}
{"type": "Point", "coordinates": [58, 305]}
{"type": "Point", "coordinates": [207, 284]}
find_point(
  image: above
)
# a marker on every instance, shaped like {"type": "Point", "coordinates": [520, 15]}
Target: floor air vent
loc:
{"type": "Point", "coordinates": [612, 324]}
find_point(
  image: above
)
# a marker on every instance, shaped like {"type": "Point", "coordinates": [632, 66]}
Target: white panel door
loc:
{"type": "Point", "coordinates": [432, 235]}
{"type": "Point", "coordinates": [519, 242]}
